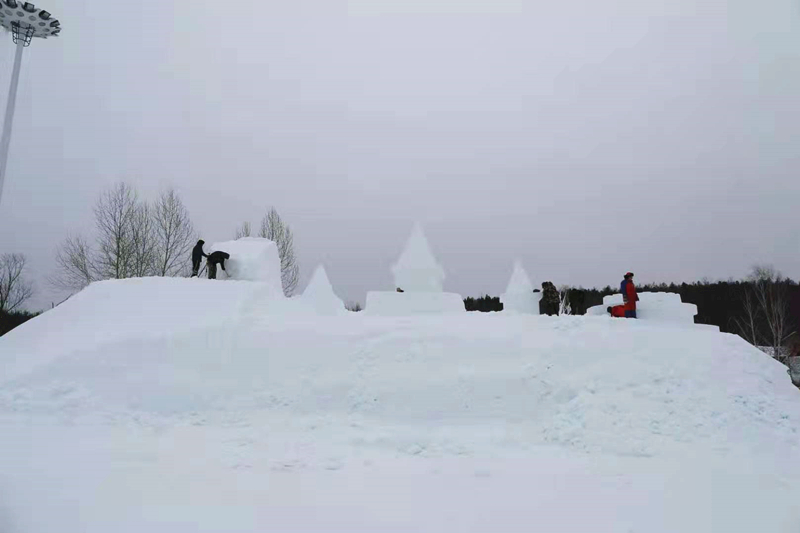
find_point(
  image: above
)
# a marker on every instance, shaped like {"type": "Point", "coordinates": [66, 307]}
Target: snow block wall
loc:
{"type": "Point", "coordinates": [319, 295]}
{"type": "Point", "coordinates": [653, 306]}
{"type": "Point", "coordinates": [519, 296]}
{"type": "Point", "coordinates": [252, 259]}
{"type": "Point", "coordinates": [417, 270]}
{"type": "Point", "coordinates": [412, 303]}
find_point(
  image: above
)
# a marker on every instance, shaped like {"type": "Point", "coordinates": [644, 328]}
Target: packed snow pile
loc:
{"type": "Point", "coordinates": [172, 405]}
{"type": "Point", "coordinates": [519, 296]}
{"type": "Point", "coordinates": [319, 295]}
{"type": "Point", "coordinates": [654, 306]}
{"type": "Point", "coordinates": [381, 303]}
{"type": "Point", "coordinates": [417, 270]}
{"type": "Point", "coordinates": [133, 310]}
{"type": "Point", "coordinates": [252, 259]}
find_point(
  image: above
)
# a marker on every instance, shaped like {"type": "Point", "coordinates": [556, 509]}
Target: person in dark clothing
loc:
{"type": "Point", "coordinates": [197, 256]}
{"type": "Point", "coordinates": [214, 259]}
{"type": "Point", "coordinates": [550, 301]}
{"type": "Point", "coordinates": [629, 296]}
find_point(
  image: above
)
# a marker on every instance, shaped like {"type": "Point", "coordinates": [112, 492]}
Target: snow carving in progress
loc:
{"type": "Point", "coordinates": [417, 270]}
{"type": "Point", "coordinates": [519, 296]}
{"type": "Point", "coordinates": [319, 295]}
{"type": "Point", "coordinates": [251, 259]}
{"type": "Point", "coordinates": [418, 279]}
{"type": "Point", "coordinates": [663, 307]}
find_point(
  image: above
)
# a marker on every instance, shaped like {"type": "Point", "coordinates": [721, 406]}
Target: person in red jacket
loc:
{"type": "Point", "coordinates": [629, 295]}
{"type": "Point", "coordinates": [618, 311]}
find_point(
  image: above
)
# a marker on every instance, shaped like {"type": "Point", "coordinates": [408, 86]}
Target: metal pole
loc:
{"type": "Point", "coordinates": [12, 100]}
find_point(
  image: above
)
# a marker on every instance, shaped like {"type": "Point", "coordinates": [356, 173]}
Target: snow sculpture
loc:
{"type": "Point", "coordinates": [661, 307]}
{"type": "Point", "coordinates": [519, 296]}
{"type": "Point", "coordinates": [420, 277]}
{"type": "Point", "coordinates": [319, 295]}
{"type": "Point", "coordinates": [417, 269]}
{"type": "Point", "coordinates": [252, 259]}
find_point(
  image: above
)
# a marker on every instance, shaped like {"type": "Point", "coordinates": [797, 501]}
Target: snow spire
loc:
{"type": "Point", "coordinates": [519, 296]}
{"type": "Point", "coordinates": [319, 294]}
{"type": "Point", "coordinates": [417, 270]}
{"type": "Point", "coordinates": [519, 283]}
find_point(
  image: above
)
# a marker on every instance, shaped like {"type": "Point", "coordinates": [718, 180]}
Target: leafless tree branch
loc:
{"type": "Point", "coordinates": [14, 289]}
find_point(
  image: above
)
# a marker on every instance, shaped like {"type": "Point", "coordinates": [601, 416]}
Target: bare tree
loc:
{"type": "Point", "coordinates": [274, 229]}
{"type": "Point", "coordinates": [174, 235]}
{"type": "Point", "coordinates": [142, 241]}
{"type": "Point", "coordinates": [772, 297]}
{"type": "Point", "coordinates": [243, 231]}
{"type": "Point", "coordinates": [115, 213]}
{"type": "Point", "coordinates": [75, 268]}
{"type": "Point", "coordinates": [354, 307]}
{"type": "Point", "coordinates": [564, 307]}
{"type": "Point", "coordinates": [748, 323]}
{"type": "Point", "coordinates": [14, 289]}
{"type": "Point", "coordinates": [134, 238]}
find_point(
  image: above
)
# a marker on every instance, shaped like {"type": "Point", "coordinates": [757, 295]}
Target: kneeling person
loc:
{"type": "Point", "coordinates": [214, 259]}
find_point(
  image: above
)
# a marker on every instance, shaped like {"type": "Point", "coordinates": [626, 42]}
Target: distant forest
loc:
{"type": "Point", "coordinates": [717, 303]}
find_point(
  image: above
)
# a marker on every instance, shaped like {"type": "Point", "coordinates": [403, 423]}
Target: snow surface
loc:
{"type": "Point", "coordinates": [123, 411]}
{"type": "Point", "coordinates": [319, 295]}
{"type": "Point", "coordinates": [417, 270]}
{"type": "Point", "coordinates": [654, 306]}
{"type": "Point", "coordinates": [380, 303]}
{"type": "Point", "coordinates": [519, 296]}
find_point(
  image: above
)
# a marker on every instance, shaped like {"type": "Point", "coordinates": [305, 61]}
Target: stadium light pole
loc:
{"type": "Point", "coordinates": [25, 21]}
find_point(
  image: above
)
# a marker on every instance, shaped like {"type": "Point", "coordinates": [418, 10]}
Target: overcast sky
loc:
{"type": "Point", "coordinates": [585, 137]}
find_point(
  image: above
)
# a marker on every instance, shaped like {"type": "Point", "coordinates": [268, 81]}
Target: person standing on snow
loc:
{"type": "Point", "coordinates": [197, 256]}
{"type": "Point", "coordinates": [629, 296]}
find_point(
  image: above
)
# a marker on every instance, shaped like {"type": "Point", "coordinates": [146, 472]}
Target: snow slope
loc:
{"type": "Point", "coordinates": [257, 420]}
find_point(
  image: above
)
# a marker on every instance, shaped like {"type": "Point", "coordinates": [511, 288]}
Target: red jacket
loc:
{"type": "Point", "coordinates": [629, 295]}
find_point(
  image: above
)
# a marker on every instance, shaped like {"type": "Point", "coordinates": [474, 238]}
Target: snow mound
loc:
{"type": "Point", "coordinates": [252, 259]}
{"type": "Point", "coordinates": [417, 270]}
{"type": "Point", "coordinates": [384, 303]}
{"type": "Point", "coordinates": [653, 306]}
{"type": "Point", "coordinates": [160, 404]}
{"type": "Point", "coordinates": [319, 295]}
{"type": "Point", "coordinates": [519, 296]}
{"type": "Point", "coordinates": [130, 311]}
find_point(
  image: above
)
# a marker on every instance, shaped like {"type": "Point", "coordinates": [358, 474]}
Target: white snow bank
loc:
{"type": "Point", "coordinates": [417, 270]}
{"type": "Point", "coordinates": [319, 295]}
{"type": "Point", "coordinates": [381, 303]}
{"type": "Point", "coordinates": [465, 422]}
{"type": "Point", "coordinates": [519, 296]}
{"type": "Point", "coordinates": [131, 310]}
{"type": "Point", "coordinates": [252, 259]}
{"type": "Point", "coordinates": [652, 306]}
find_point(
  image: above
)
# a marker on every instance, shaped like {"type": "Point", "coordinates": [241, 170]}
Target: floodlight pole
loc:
{"type": "Point", "coordinates": [10, 104]}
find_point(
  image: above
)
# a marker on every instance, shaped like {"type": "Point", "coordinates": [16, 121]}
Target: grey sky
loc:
{"type": "Point", "coordinates": [585, 137]}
